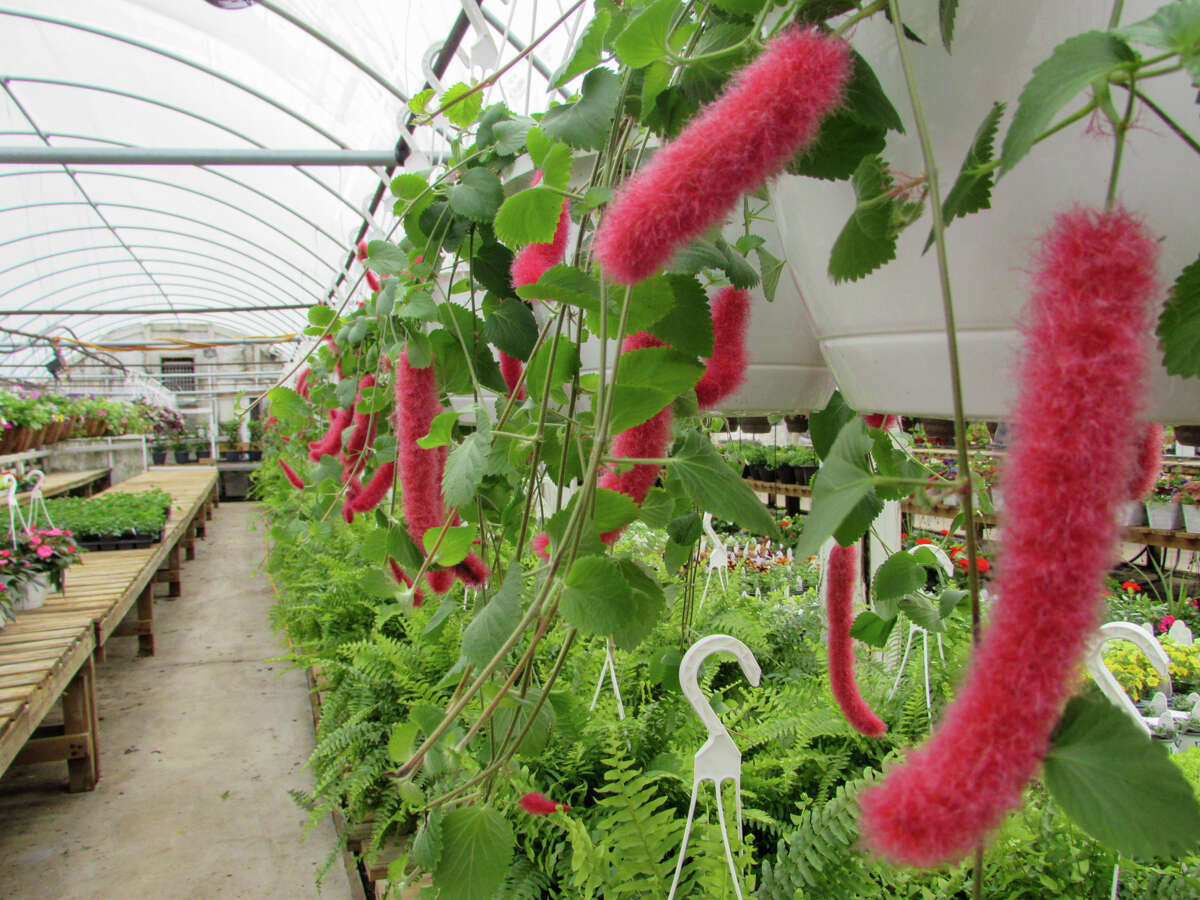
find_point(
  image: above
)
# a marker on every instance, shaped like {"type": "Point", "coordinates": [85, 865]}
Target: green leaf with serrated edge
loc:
{"type": "Point", "coordinates": [538, 143]}
{"type": "Point", "coordinates": [321, 316]}
{"type": "Point", "coordinates": [529, 217]}
{"type": "Point", "coordinates": [744, 8]}
{"type": "Point", "coordinates": [566, 364]}
{"type": "Point", "coordinates": [1179, 324]}
{"type": "Point", "coordinates": [597, 597]}
{"type": "Point", "coordinates": [402, 741]}
{"type": "Point", "coordinates": [1174, 26]}
{"type": "Point", "coordinates": [649, 301]}
{"type": "Point", "coordinates": [715, 488]}
{"type": "Point", "coordinates": [922, 611]}
{"type": "Point", "coordinates": [657, 508]}
{"type": "Point", "coordinates": [842, 143]}
{"type": "Point", "coordinates": [377, 584]}
{"type": "Point", "coordinates": [287, 405]}
{"type": "Point", "coordinates": [771, 268]}
{"type": "Point", "coordinates": [947, 11]}
{"type": "Point", "coordinates": [867, 241]}
{"type": "Point", "coordinates": [597, 196]}
{"type": "Point", "coordinates": [427, 843]}
{"type": "Point", "coordinates": [409, 186]}
{"type": "Point", "coordinates": [736, 267]}
{"type": "Point", "coordinates": [463, 112]}
{"type": "Point", "coordinates": [1117, 784]}
{"type": "Point", "coordinates": [720, 50]}
{"type": "Point", "coordinates": [675, 556]}
{"type": "Point", "coordinates": [465, 467]}
{"type": "Point", "coordinates": [649, 379]}
{"type": "Point", "coordinates": [657, 78]}
{"type": "Point", "coordinates": [696, 255]}
{"type": "Point", "coordinates": [477, 196]}
{"type": "Point", "coordinates": [687, 326]}
{"type": "Point", "coordinates": [374, 400]}
{"type": "Point", "coordinates": [972, 190]}
{"type": "Point", "coordinates": [564, 284]}
{"type": "Point", "coordinates": [872, 629]}
{"type": "Point", "coordinates": [556, 166]}
{"type": "Point", "coordinates": [900, 574]}
{"type": "Point", "coordinates": [492, 116]}
{"type": "Point", "coordinates": [843, 492]}
{"type": "Point", "coordinates": [386, 300]}
{"type": "Point", "coordinates": [646, 606]}
{"type": "Point", "coordinates": [439, 430]}
{"type": "Point", "coordinates": [477, 847]}
{"type": "Point", "coordinates": [386, 258]}
{"type": "Point", "coordinates": [686, 529]}
{"type": "Point", "coordinates": [613, 510]}
{"type": "Point", "coordinates": [510, 136]}
{"type": "Point", "coordinates": [420, 100]}
{"type": "Point", "coordinates": [950, 599]}
{"type": "Point", "coordinates": [586, 123]}
{"type": "Point", "coordinates": [512, 328]}
{"type": "Point", "coordinates": [1071, 68]}
{"type": "Point", "coordinates": [825, 426]}
{"type": "Point", "coordinates": [588, 50]}
{"type": "Point", "coordinates": [454, 546]}
{"type": "Point", "coordinates": [644, 39]}
{"type": "Point", "coordinates": [867, 102]}
{"type": "Point", "coordinates": [493, 624]}
{"type": "Point", "coordinates": [490, 267]}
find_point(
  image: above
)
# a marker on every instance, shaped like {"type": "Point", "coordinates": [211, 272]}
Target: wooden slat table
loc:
{"type": "Point", "coordinates": [57, 483]}
{"type": "Point", "coordinates": [42, 660]}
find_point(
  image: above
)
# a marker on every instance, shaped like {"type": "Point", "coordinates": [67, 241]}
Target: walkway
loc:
{"type": "Point", "coordinates": [199, 746]}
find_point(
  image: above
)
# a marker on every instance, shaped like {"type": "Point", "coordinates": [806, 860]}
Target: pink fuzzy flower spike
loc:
{"type": "Point", "coordinates": [540, 805]}
{"type": "Point", "coordinates": [540, 545]}
{"type": "Point", "coordinates": [883, 422]}
{"type": "Point", "coordinates": [1149, 462]}
{"type": "Point", "coordinates": [727, 368]}
{"type": "Point", "coordinates": [772, 110]}
{"type": "Point", "coordinates": [840, 579]}
{"type": "Point", "coordinates": [534, 260]}
{"type": "Point", "coordinates": [290, 474]}
{"type": "Point", "coordinates": [360, 250]}
{"type": "Point", "coordinates": [1082, 382]}
{"type": "Point", "coordinates": [511, 368]}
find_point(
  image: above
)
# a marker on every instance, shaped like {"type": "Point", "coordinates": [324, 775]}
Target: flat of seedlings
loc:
{"type": "Point", "coordinates": [41, 660]}
{"type": "Point", "coordinates": [57, 483]}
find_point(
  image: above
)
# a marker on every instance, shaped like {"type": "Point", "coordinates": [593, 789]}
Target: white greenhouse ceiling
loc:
{"type": "Point", "coordinates": [88, 245]}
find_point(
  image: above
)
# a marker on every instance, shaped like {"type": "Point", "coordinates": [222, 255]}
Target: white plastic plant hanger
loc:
{"type": "Point", "coordinates": [609, 668]}
{"type": "Point", "coordinates": [9, 481]}
{"type": "Point", "coordinates": [37, 499]}
{"type": "Point", "coordinates": [719, 759]}
{"type": "Point", "coordinates": [718, 559]}
{"type": "Point", "coordinates": [1111, 688]}
{"type": "Point", "coordinates": [913, 629]}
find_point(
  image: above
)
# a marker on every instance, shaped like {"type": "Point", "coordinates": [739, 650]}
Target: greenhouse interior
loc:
{"type": "Point", "coordinates": [511, 493]}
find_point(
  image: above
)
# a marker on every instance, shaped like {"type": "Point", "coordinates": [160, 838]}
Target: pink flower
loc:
{"type": "Point", "coordinates": [727, 367]}
{"type": "Point", "coordinates": [290, 474]}
{"type": "Point", "coordinates": [840, 579]}
{"type": "Point", "coordinates": [540, 805]}
{"type": "Point", "coordinates": [44, 551]}
{"type": "Point", "coordinates": [1165, 623]}
{"type": "Point", "coordinates": [1081, 386]}
{"type": "Point", "coordinates": [772, 109]}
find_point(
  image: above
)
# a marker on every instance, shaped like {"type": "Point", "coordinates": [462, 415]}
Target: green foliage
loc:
{"type": "Point", "coordinates": [868, 239]}
{"type": "Point", "coordinates": [118, 513]}
{"type": "Point", "coordinates": [1179, 324]}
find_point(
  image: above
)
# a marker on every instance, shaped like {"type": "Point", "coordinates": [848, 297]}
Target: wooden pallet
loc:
{"type": "Point", "coordinates": [42, 660]}
{"type": "Point", "coordinates": [58, 483]}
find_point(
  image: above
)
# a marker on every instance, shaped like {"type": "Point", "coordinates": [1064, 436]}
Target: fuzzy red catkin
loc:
{"type": "Point", "coordinates": [840, 577]}
{"type": "Point", "coordinates": [373, 281]}
{"type": "Point", "coordinates": [1149, 462]}
{"type": "Point", "coordinates": [421, 470]}
{"type": "Point", "coordinates": [375, 489]}
{"type": "Point", "coordinates": [472, 571]}
{"type": "Point", "coordinates": [360, 251]}
{"type": "Point", "coordinates": [881, 421]}
{"type": "Point", "coordinates": [290, 474]}
{"type": "Point", "coordinates": [772, 109]}
{"type": "Point", "coordinates": [302, 384]}
{"type": "Point", "coordinates": [331, 443]}
{"type": "Point", "coordinates": [401, 577]}
{"type": "Point", "coordinates": [1082, 385]}
{"type": "Point", "coordinates": [726, 369]}
{"type": "Point", "coordinates": [540, 544]}
{"type": "Point", "coordinates": [511, 368]}
{"type": "Point", "coordinates": [540, 805]}
{"type": "Point", "coordinates": [534, 260]}
{"type": "Point", "coordinates": [361, 437]}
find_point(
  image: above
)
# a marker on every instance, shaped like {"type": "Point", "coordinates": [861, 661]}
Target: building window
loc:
{"type": "Point", "coordinates": [178, 373]}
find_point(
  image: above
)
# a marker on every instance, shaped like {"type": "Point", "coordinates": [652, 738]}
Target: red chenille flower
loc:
{"type": "Point", "coordinates": [1081, 387]}
{"type": "Point", "coordinates": [540, 805]}
{"type": "Point", "coordinates": [290, 474]}
{"type": "Point", "coordinates": [1149, 462]}
{"type": "Point", "coordinates": [772, 109]}
{"type": "Point", "coordinates": [840, 578]}
{"type": "Point", "coordinates": [726, 369]}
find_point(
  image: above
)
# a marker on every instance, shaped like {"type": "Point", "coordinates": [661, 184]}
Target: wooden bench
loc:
{"type": "Point", "coordinates": [83, 483]}
{"type": "Point", "coordinates": [41, 660]}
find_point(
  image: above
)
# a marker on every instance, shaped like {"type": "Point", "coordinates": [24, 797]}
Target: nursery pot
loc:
{"type": "Point", "coordinates": [33, 593]}
{"type": "Point", "coordinates": [883, 335]}
{"type": "Point", "coordinates": [1164, 516]}
{"type": "Point", "coordinates": [787, 474]}
{"type": "Point", "coordinates": [754, 424]}
{"type": "Point", "coordinates": [939, 431]}
{"type": "Point", "coordinates": [1188, 434]}
{"type": "Point", "coordinates": [158, 457]}
{"type": "Point", "coordinates": [182, 456]}
{"type": "Point", "coordinates": [1191, 517]}
{"type": "Point", "coordinates": [796, 424]}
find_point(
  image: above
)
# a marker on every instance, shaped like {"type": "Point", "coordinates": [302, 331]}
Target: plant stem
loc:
{"type": "Point", "coordinates": [1114, 17]}
{"type": "Point", "coordinates": [960, 424]}
{"type": "Point", "coordinates": [864, 13]}
{"type": "Point", "coordinates": [1167, 120]}
{"type": "Point", "coordinates": [1122, 129]}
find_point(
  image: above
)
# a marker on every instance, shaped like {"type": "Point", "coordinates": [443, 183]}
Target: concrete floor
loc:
{"type": "Point", "coordinates": [199, 746]}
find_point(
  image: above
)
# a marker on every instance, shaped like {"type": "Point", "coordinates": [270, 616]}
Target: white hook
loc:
{"type": "Point", "coordinates": [1105, 679]}
{"type": "Point", "coordinates": [718, 559]}
{"type": "Point", "coordinates": [719, 759]}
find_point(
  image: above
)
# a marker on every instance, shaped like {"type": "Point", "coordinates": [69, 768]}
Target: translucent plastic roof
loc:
{"type": "Point", "coordinates": [259, 243]}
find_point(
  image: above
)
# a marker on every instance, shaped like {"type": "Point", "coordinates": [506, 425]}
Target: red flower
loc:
{"type": "Point", "coordinates": [945, 532]}
{"type": "Point", "coordinates": [1131, 586]}
{"type": "Point", "coordinates": [360, 251]}
{"type": "Point", "coordinates": [1165, 623]}
{"type": "Point", "coordinates": [839, 606]}
{"type": "Point", "coordinates": [726, 369]}
{"type": "Point", "coordinates": [922, 541]}
{"type": "Point", "coordinates": [373, 281]}
{"type": "Point", "coordinates": [980, 563]}
{"type": "Point", "coordinates": [540, 805]}
{"type": "Point", "coordinates": [290, 474]}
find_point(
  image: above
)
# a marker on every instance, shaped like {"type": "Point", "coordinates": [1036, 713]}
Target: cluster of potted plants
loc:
{"type": "Point", "coordinates": [32, 419]}
{"type": "Point", "coordinates": [117, 521]}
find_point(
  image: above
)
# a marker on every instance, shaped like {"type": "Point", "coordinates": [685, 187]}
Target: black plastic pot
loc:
{"type": "Point", "coordinates": [231, 455]}
{"type": "Point", "coordinates": [254, 455]}
{"type": "Point", "coordinates": [787, 474]}
{"type": "Point", "coordinates": [158, 457]}
{"type": "Point", "coordinates": [804, 474]}
{"type": "Point", "coordinates": [939, 431]}
{"type": "Point", "coordinates": [1188, 434]}
{"type": "Point", "coordinates": [754, 424]}
{"type": "Point", "coordinates": [796, 424]}
{"type": "Point", "coordinates": [182, 456]}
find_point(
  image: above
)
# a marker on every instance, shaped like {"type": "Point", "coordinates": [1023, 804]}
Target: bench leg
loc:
{"type": "Point", "coordinates": [189, 547]}
{"type": "Point", "coordinates": [175, 586]}
{"type": "Point", "coordinates": [79, 717]}
{"type": "Point", "coordinates": [145, 614]}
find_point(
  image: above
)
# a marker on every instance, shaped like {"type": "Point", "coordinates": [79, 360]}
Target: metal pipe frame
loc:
{"type": "Point", "coordinates": [222, 310]}
{"type": "Point", "coordinates": [183, 234]}
{"type": "Point", "coordinates": [79, 187]}
{"type": "Point", "coordinates": [171, 156]}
